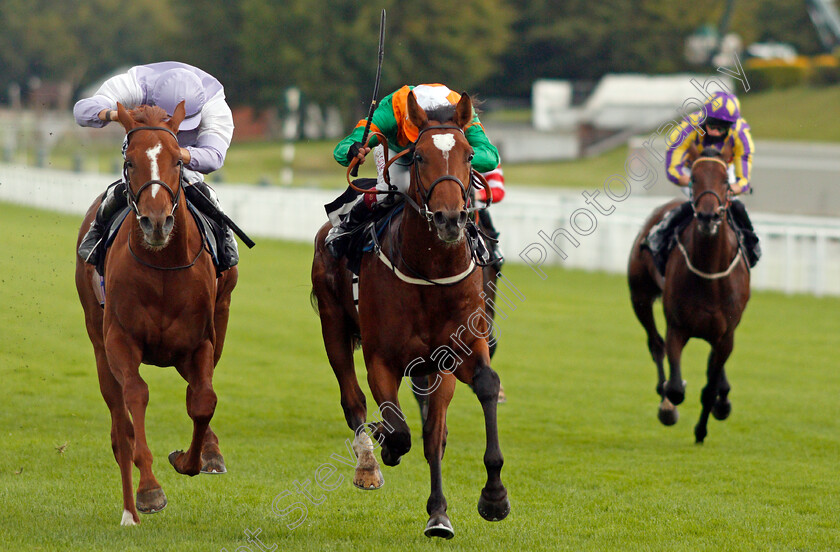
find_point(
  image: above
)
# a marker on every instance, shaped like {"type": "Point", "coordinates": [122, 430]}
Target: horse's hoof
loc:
{"type": "Point", "coordinates": [128, 519]}
{"type": "Point", "coordinates": [175, 458]}
{"type": "Point", "coordinates": [213, 463]}
{"type": "Point", "coordinates": [368, 479]}
{"type": "Point", "coordinates": [721, 409]}
{"type": "Point", "coordinates": [699, 435]}
{"type": "Point", "coordinates": [502, 397]}
{"type": "Point", "coordinates": [439, 526]}
{"type": "Point", "coordinates": [676, 396]}
{"type": "Point", "coordinates": [493, 510]}
{"type": "Point", "coordinates": [668, 413]}
{"type": "Point", "coordinates": [151, 501]}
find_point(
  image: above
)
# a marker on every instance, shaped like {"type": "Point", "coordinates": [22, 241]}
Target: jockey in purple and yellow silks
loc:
{"type": "Point", "coordinates": [718, 125]}
{"type": "Point", "coordinates": [391, 120]}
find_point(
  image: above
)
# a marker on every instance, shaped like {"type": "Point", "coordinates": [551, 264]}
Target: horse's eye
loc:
{"type": "Point", "coordinates": [470, 156]}
{"type": "Point", "coordinates": [418, 158]}
{"type": "Point", "coordinates": [129, 164]}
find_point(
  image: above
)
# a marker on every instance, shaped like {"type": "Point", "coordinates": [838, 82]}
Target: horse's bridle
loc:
{"type": "Point", "coordinates": [425, 194]}
{"type": "Point", "coordinates": [133, 198]}
{"type": "Point", "coordinates": [723, 206]}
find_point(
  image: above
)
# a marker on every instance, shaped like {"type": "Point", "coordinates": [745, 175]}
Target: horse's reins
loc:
{"type": "Point", "coordinates": [133, 198]}
{"type": "Point", "coordinates": [723, 207]}
{"type": "Point", "coordinates": [422, 208]}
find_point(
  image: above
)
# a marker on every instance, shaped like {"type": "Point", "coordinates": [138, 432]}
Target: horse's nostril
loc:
{"type": "Point", "coordinates": [462, 218]}
{"type": "Point", "coordinates": [145, 224]}
{"type": "Point", "coordinates": [168, 223]}
{"type": "Point", "coordinates": [439, 218]}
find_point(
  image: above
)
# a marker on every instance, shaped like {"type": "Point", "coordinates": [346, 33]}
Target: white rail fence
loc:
{"type": "Point", "coordinates": [801, 254]}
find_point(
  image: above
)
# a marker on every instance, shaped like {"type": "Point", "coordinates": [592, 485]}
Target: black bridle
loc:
{"type": "Point", "coordinates": [723, 205]}
{"type": "Point", "coordinates": [426, 193]}
{"type": "Point", "coordinates": [134, 197]}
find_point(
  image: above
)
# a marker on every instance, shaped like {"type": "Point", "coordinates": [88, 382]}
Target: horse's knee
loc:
{"type": "Point", "coordinates": [202, 404]}
{"type": "Point", "coordinates": [486, 384]}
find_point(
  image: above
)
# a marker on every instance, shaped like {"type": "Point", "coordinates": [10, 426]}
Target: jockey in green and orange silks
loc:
{"type": "Point", "coordinates": [390, 118]}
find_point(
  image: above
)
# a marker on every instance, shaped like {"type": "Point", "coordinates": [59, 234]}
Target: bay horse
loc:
{"type": "Point", "coordinates": [704, 293]}
{"type": "Point", "coordinates": [416, 291]}
{"type": "Point", "coordinates": [165, 307]}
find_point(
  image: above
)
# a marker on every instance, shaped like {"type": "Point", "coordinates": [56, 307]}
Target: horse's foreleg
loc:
{"type": "Point", "coordinates": [201, 404]}
{"type": "Point", "coordinates": [434, 444]}
{"type": "Point", "coordinates": [392, 432]}
{"type": "Point", "coordinates": [722, 407]}
{"type": "Point", "coordinates": [122, 434]}
{"type": "Point", "coordinates": [674, 388]}
{"type": "Point", "coordinates": [125, 358]}
{"type": "Point", "coordinates": [720, 352]}
{"type": "Point", "coordinates": [493, 505]}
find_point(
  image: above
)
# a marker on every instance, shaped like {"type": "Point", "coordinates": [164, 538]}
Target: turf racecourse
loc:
{"type": "Point", "coordinates": [587, 465]}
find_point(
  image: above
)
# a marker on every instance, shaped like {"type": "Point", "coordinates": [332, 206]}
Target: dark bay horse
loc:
{"type": "Point", "coordinates": [705, 290]}
{"type": "Point", "coordinates": [164, 307]}
{"type": "Point", "coordinates": [404, 320]}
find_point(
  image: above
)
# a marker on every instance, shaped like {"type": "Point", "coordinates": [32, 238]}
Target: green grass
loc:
{"type": "Point", "coordinates": [587, 465]}
{"type": "Point", "coordinates": [798, 114]}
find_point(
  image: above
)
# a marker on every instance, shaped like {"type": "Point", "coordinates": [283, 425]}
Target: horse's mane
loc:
{"type": "Point", "coordinates": [443, 113]}
{"type": "Point", "coordinates": [149, 114]}
{"type": "Point", "coordinates": [712, 152]}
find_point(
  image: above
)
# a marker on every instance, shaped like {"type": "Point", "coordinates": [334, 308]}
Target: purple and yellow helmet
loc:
{"type": "Point", "coordinates": [722, 106]}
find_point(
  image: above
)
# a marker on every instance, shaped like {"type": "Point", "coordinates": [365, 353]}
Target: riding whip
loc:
{"type": "Point", "coordinates": [374, 101]}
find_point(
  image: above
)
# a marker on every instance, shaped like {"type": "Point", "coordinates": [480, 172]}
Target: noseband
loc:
{"type": "Point", "coordinates": [133, 198]}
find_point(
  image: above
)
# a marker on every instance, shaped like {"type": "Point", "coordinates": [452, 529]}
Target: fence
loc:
{"type": "Point", "coordinates": [801, 254]}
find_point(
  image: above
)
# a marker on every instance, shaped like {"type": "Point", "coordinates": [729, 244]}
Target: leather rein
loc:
{"type": "Point", "coordinates": [423, 207]}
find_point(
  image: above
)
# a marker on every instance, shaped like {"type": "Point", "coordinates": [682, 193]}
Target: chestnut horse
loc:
{"type": "Point", "coordinates": [164, 307]}
{"type": "Point", "coordinates": [403, 319]}
{"type": "Point", "coordinates": [705, 290]}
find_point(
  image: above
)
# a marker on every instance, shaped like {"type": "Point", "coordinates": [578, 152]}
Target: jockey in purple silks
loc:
{"type": "Point", "coordinates": [718, 125]}
{"type": "Point", "coordinates": [204, 135]}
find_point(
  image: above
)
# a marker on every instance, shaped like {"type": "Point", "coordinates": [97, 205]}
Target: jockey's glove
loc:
{"type": "Point", "coordinates": [355, 147]}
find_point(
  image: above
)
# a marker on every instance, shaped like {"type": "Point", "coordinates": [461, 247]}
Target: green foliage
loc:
{"type": "Point", "coordinates": [776, 77]}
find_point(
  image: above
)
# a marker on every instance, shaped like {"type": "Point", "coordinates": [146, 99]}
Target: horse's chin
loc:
{"type": "Point", "coordinates": [451, 240]}
{"type": "Point", "coordinates": [156, 243]}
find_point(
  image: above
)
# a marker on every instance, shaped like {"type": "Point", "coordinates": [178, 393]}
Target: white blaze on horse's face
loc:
{"type": "Point", "coordinates": [445, 143]}
{"type": "Point", "coordinates": [152, 154]}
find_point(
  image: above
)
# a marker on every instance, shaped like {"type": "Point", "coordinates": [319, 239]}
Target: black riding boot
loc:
{"type": "Point", "coordinates": [338, 238]}
{"type": "Point", "coordinates": [487, 227]}
{"type": "Point", "coordinates": [744, 227]}
{"type": "Point", "coordinates": [205, 200]}
{"type": "Point", "coordinates": [112, 203]}
{"type": "Point", "coordinates": [660, 238]}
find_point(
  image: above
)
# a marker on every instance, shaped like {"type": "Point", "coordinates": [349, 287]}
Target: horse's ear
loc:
{"type": "Point", "coordinates": [415, 113]}
{"type": "Point", "coordinates": [178, 116]}
{"type": "Point", "coordinates": [124, 117]}
{"type": "Point", "coordinates": [692, 153]}
{"type": "Point", "coordinates": [464, 111]}
{"type": "Point", "coordinates": [727, 152]}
